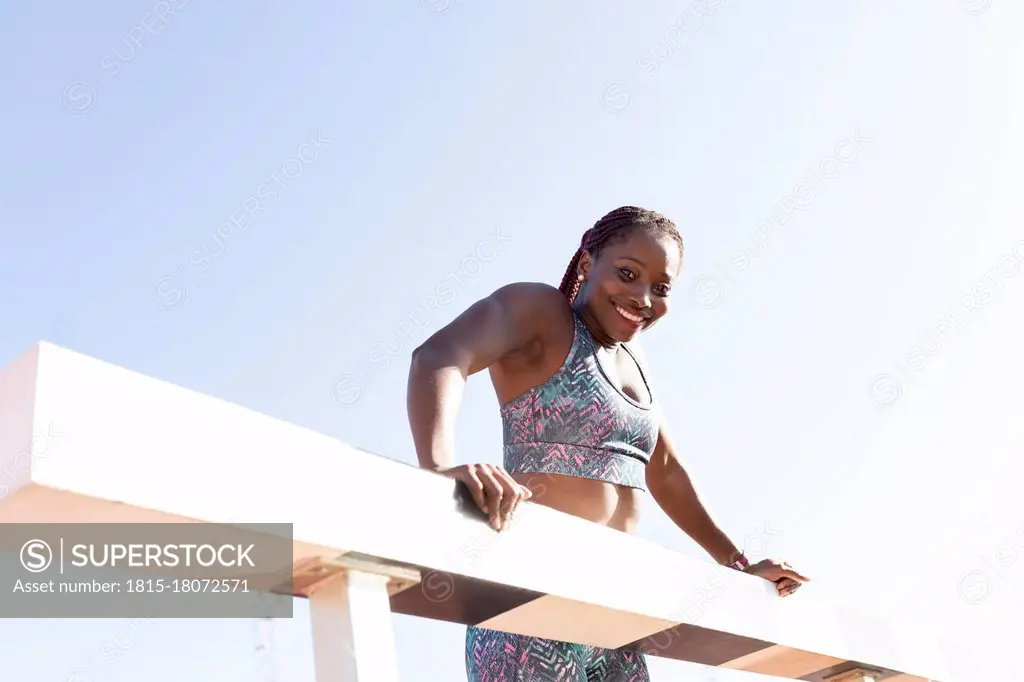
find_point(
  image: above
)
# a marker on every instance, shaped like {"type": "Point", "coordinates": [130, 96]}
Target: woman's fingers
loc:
{"type": "Point", "coordinates": [787, 585]}
{"type": "Point", "coordinates": [789, 573]}
{"type": "Point", "coordinates": [509, 500]}
{"type": "Point", "coordinates": [495, 493]}
{"type": "Point", "coordinates": [513, 495]}
{"type": "Point", "coordinates": [493, 490]}
{"type": "Point", "coordinates": [504, 494]}
{"type": "Point", "coordinates": [476, 489]}
{"type": "Point", "coordinates": [775, 571]}
{"type": "Point", "coordinates": [786, 579]}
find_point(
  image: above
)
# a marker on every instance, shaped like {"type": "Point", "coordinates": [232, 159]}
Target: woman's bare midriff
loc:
{"type": "Point", "coordinates": [607, 504]}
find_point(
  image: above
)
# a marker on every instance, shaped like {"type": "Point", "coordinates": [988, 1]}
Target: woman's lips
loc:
{"type": "Point", "coordinates": [633, 319]}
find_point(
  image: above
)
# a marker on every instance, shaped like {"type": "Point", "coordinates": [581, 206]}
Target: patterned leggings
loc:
{"type": "Point", "coordinates": [493, 656]}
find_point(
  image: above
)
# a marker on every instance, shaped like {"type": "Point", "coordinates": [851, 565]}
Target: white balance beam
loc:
{"type": "Point", "coordinates": [82, 440]}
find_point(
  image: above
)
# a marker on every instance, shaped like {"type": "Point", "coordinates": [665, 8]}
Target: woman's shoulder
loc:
{"type": "Point", "coordinates": [537, 311]}
{"type": "Point", "coordinates": [534, 298]}
{"type": "Point", "coordinates": [534, 289]}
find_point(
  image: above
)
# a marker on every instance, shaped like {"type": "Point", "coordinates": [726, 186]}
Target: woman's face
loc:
{"type": "Point", "coordinates": [626, 288]}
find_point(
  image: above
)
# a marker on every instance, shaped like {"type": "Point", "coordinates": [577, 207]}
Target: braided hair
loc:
{"type": "Point", "coordinates": [613, 227]}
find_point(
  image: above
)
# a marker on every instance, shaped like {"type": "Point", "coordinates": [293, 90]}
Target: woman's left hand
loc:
{"type": "Point", "coordinates": [786, 580]}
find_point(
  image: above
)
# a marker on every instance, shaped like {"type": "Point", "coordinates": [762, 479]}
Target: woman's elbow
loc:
{"type": "Point", "coordinates": [431, 357]}
{"type": "Point", "coordinates": [665, 476]}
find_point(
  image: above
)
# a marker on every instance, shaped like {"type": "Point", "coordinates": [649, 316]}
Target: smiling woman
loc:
{"type": "Point", "coordinates": [636, 278]}
{"type": "Point", "coordinates": [582, 433]}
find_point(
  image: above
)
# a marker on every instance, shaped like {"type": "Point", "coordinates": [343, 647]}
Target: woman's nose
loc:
{"type": "Point", "coordinates": [641, 297]}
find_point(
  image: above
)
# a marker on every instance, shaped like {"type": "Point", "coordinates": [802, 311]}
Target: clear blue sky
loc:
{"type": "Point", "coordinates": [443, 122]}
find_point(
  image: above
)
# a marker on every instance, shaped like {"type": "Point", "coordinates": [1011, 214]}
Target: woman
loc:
{"type": "Point", "coordinates": [578, 411]}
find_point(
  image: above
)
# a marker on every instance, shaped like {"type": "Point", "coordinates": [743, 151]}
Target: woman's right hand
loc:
{"type": "Point", "coordinates": [494, 490]}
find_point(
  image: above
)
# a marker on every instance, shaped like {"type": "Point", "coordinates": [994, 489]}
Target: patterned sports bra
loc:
{"type": "Point", "coordinates": [578, 423]}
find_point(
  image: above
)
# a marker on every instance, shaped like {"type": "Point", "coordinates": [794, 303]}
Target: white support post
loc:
{"type": "Point", "coordinates": [353, 639]}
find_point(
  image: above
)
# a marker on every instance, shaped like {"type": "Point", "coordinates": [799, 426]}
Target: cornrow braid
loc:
{"type": "Point", "coordinates": [614, 226]}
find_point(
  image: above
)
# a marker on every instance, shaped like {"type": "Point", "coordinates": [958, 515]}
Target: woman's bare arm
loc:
{"type": "Point", "coordinates": [489, 330]}
{"type": "Point", "coordinates": [673, 489]}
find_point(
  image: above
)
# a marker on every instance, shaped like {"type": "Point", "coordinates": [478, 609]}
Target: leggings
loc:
{"type": "Point", "coordinates": [493, 656]}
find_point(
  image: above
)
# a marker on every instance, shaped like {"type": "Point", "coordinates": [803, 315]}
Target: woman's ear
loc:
{"type": "Point", "coordinates": [584, 267]}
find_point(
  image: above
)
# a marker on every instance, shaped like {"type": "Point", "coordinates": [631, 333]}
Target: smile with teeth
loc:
{"type": "Point", "coordinates": [635, 319]}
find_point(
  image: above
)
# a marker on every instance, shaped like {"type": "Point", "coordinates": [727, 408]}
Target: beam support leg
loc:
{"type": "Point", "coordinates": [353, 637]}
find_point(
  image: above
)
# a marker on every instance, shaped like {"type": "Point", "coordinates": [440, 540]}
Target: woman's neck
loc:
{"type": "Point", "coordinates": [596, 332]}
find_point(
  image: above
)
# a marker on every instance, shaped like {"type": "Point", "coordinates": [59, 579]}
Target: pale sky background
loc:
{"type": "Point", "coordinates": [444, 122]}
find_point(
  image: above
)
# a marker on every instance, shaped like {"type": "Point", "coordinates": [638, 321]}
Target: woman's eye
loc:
{"type": "Point", "coordinates": [626, 273]}
{"type": "Point", "coordinates": [662, 289]}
